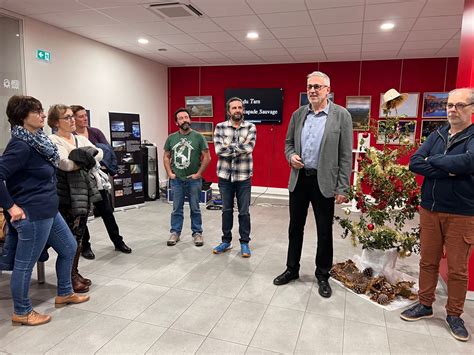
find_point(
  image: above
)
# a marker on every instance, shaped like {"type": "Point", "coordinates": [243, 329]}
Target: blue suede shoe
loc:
{"type": "Point", "coordinates": [417, 312]}
{"type": "Point", "coordinates": [457, 328]}
{"type": "Point", "coordinates": [245, 250]}
{"type": "Point", "coordinates": [221, 248]}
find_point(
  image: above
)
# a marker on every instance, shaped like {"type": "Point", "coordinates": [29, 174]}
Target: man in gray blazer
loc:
{"type": "Point", "coordinates": [318, 147]}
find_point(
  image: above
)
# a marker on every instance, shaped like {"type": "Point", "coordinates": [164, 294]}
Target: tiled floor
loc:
{"type": "Point", "coordinates": [164, 299]}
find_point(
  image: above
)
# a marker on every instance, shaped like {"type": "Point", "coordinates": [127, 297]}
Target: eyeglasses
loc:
{"type": "Point", "coordinates": [459, 106]}
{"type": "Point", "coordinates": [37, 112]}
{"type": "Point", "coordinates": [316, 87]}
{"type": "Point", "coordinates": [68, 118]}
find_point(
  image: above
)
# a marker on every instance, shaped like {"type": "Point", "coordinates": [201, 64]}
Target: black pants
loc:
{"type": "Point", "coordinates": [306, 191]}
{"type": "Point", "coordinates": [77, 224]}
{"type": "Point", "coordinates": [106, 211]}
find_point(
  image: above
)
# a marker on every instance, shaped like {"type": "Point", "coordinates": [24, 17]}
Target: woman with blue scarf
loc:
{"type": "Point", "coordinates": [29, 197]}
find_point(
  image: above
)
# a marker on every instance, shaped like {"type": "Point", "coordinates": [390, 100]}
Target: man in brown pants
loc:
{"type": "Point", "coordinates": [446, 160]}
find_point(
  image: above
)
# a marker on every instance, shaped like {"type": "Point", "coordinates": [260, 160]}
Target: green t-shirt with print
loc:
{"type": "Point", "coordinates": [186, 152]}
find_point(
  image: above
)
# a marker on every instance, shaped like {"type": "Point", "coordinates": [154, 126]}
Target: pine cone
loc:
{"type": "Point", "coordinates": [360, 287]}
{"type": "Point", "coordinates": [383, 299]}
{"type": "Point", "coordinates": [369, 272]}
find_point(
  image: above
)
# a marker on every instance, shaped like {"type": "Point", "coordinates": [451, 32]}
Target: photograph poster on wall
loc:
{"type": "Point", "coordinates": [199, 106]}
{"type": "Point", "coordinates": [408, 109]}
{"type": "Point", "coordinates": [434, 104]}
{"type": "Point", "coordinates": [304, 98]}
{"type": "Point", "coordinates": [205, 128]}
{"type": "Point", "coordinates": [359, 108]}
{"type": "Point", "coordinates": [125, 138]}
{"type": "Point", "coordinates": [406, 129]}
{"type": "Point", "coordinates": [429, 126]}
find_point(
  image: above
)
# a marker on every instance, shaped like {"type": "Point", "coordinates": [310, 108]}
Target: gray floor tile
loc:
{"type": "Point", "coordinates": [393, 321]}
{"type": "Point", "coordinates": [239, 322]}
{"type": "Point", "coordinates": [229, 282]}
{"type": "Point", "coordinates": [90, 337]}
{"type": "Point", "coordinates": [362, 338]}
{"type": "Point", "coordinates": [278, 330]}
{"type": "Point", "coordinates": [215, 346]}
{"type": "Point", "coordinates": [177, 342]}
{"type": "Point", "coordinates": [256, 351]}
{"type": "Point", "coordinates": [171, 274]}
{"type": "Point", "coordinates": [294, 295]}
{"type": "Point", "coordinates": [136, 301]}
{"type": "Point", "coordinates": [199, 278]}
{"type": "Point", "coordinates": [106, 295]}
{"type": "Point", "coordinates": [135, 338]}
{"type": "Point", "coordinates": [258, 288]}
{"type": "Point", "coordinates": [320, 334]}
{"type": "Point", "coordinates": [402, 342]}
{"type": "Point", "coordinates": [453, 346]}
{"type": "Point", "coordinates": [361, 310]}
{"type": "Point", "coordinates": [203, 314]}
{"type": "Point", "coordinates": [332, 307]}
{"type": "Point", "coordinates": [42, 338]}
{"type": "Point", "coordinates": [168, 307]}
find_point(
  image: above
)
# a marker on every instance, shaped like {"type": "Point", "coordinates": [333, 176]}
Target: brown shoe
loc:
{"type": "Point", "coordinates": [32, 318]}
{"type": "Point", "coordinates": [174, 238]}
{"type": "Point", "coordinates": [78, 286]}
{"type": "Point", "coordinates": [73, 298]}
{"type": "Point", "coordinates": [198, 239]}
{"type": "Point", "coordinates": [85, 281]}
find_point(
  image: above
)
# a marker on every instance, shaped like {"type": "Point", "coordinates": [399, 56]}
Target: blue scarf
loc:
{"type": "Point", "coordinates": [39, 142]}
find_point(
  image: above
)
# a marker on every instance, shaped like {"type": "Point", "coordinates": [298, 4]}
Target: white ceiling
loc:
{"type": "Point", "coordinates": [291, 31]}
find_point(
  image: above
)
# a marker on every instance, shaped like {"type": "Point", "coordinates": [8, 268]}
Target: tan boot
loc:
{"type": "Point", "coordinates": [73, 298]}
{"type": "Point", "coordinates": [32, 318]}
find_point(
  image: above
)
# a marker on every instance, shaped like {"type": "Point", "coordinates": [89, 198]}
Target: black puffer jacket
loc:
{"type": "Point", "coordinates": [77, 190]}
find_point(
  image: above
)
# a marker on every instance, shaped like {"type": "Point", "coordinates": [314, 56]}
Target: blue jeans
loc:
{"type": "Point", "coordinates": [186, 188]}
{"type": "Point", "coordinates": [29, 238]}
{"type": "Point", "coordinates": [229, 190]}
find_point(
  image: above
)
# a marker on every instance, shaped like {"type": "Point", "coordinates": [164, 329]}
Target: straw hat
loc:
{"type": "Point", "coordinates": [393, 95]}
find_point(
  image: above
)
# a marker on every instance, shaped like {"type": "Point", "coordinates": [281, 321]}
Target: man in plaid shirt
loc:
{"type": "Point", "coordinates": [234, 141]}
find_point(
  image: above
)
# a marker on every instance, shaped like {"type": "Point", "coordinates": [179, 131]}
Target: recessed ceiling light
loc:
{"type": "Point", "coordinates": [143, 41]}
{"type": "Point", "coordinates": [162, 49]}
{"type": "Point", "coordinates": [387, 26]}
{"type": "Point", "coordinates": [252, 35]}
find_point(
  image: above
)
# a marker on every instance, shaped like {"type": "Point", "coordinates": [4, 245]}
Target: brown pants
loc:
{"type": "Point", "coordinates": [456, 234]}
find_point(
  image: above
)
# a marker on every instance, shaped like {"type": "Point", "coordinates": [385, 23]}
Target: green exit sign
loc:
{"type": "Point", "coordinates": [43, 55]}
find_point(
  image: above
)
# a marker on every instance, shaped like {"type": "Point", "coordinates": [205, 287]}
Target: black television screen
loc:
{"type": "Point", "coordinates": [261, 105]}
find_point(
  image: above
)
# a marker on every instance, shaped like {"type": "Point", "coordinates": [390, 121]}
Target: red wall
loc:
{"type": "Point", "coordinates": [347, 79]}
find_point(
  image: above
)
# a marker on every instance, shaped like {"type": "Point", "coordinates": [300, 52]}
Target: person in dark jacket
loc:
{"type": "Point", "coordinates": [446, 160]}
{"type": "Point", "coordinates": [28, 195]}
{"type": "Point", "coordinates": [103, 207]}
{"type": "Point", "coordinates": [77, 188]}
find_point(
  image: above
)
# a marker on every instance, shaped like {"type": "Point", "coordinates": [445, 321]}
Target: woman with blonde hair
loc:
{"type": "Point", "coordinates": [28, 195]}
{"type": "Point", "coordinates": [77, 186]}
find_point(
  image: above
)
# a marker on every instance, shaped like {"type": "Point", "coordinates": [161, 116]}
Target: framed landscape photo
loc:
{"type": "Point", "coordinates": [359, 108]}
{"type": "Point", "coordinates": [429, 126]}
{"type": "Point", "coordinates": [199, 106]}
{"type": "Point", "coordinates": [405, 127]}
{"type": "Point", "coordinates": [205, 128]}
{"type": "Point", "coordinates": [409, 109]}
{"type": "Point", "coordinates": [304, 98]}
{"type": "Point", "coordinates": [434, 104]}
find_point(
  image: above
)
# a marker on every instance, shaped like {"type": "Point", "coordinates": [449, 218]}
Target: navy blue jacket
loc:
{"type": "Point", "coordinates": [29, 180]}
{"type": "Point", "coordinates": [448, 170]}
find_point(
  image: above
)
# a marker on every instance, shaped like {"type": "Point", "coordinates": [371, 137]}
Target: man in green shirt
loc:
{"type": "Point", "coordinates": [186, 157]}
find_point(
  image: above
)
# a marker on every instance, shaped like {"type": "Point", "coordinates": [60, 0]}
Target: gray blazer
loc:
{"type": "Point", "coordinates": [335, 155]}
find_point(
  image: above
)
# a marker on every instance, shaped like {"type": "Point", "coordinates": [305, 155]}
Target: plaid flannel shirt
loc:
{"type": "Point", "coordinates": [234, 147]}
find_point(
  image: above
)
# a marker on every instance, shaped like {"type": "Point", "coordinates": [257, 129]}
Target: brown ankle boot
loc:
{"type": "Point", "coordinates": [85, 281]}
{"type": "Point", "coordinates": [32, 318]}
{"type": "Point", "coordinates": [77, 285]}
{"type": "Point", "coordinates": [73, 298]}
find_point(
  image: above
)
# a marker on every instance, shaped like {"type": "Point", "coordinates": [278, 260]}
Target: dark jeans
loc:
{"type": "Point", "coordinates": [229, 190]}
{"type": "Point", "coordinates": [106, 211]}
{"type": "Point", "coordinates": [306, 192]}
